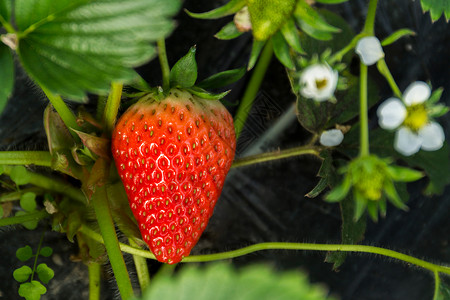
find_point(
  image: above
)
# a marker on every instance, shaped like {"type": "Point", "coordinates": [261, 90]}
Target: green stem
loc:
{"type": "Point", "coordinates": [164, 63]}
{"type": "Point", "coordinates": [141, 268]}
{"type": "Point", "coordinates": [36, 256]}
{"type": "Point", "coordinates": [341, 53]}
{"type": "Point", "coordinates": [33, 216]}
{"type": "Point", "coordinates": [106, 224]}
{"type": "Point", "coordinates": [369, 25]}
{"type": "Point", "coordinates": [384, 70]}
{"type": "Point", "coordinates": [437, 285]}
{"type": "Point", "coordinates": [275, 155]}
{"type": "Point", "coordinates": [8, 26]}
{"type": "Point", "coordinates": [252, 88]}
{"type": "Point", "coordinates": [364, 120]}
{"type": "Point", "coordinates": [94, 281]}
{"type": "Point", "coordinates": [283, 246]}
{"type": "Point", "coordinates": [51, 184]}
{"type": "Point", "coordinates": [64, 112]}
{"type": "Point", "coordinates": [14, 196]}
{"type": "Point", "coordinates": [38, 158]}
{"type": "Point", "coordinates": [112, 106]}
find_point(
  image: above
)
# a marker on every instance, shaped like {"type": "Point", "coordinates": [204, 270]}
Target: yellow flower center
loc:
{"type": "Point", "coordinates": [416, 117]}
{"type": "Point", "coordinates": [321, 83]}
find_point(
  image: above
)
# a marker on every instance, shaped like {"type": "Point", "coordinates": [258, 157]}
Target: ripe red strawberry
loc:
{"type": "Point", "coordinates": [172, 156]}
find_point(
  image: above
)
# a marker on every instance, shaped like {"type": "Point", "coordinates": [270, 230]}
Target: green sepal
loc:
{"type": "Point", "coordinates": [312, 23]}
{"type": "Point", "coordinates": [6, 74]}
{"type": "Point", "coordinates": [199, 92]}
{"type": "Point", "coordinates": [339, 192]}
{"type": "Point", "coordinates": [99, 146]}
{"type": "Point", "coordinates": [257, 47]}
{"type": "Point", "coordinates": [360, 205]}
{"type": "Point", "coordinates": [228, 9]}
{"type": "Point", "coordinates": [22, 274]}
{"type": "Point", "coordinates": [281, 50]}
{"type": "Point", "coordinates": [184, 73]}
{"type": "Point", "coordinates": [393, 196]}
{"type": "Point", "coordinates": [222, 79]}
{"type": "Point", "coordinates": [228, 32]}
{"type": "Point", "coordinates": [395, 36]}
{"type": "Point", "coordinates": [291, 35]}
{"type": "Point", "coordinates": [403, 174]}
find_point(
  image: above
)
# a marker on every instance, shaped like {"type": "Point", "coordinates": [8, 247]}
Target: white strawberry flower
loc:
{"type": "Point", "coordinates": [331, 138]}
{"type": "Point", "coordinates": [369, 50]}
{"type": "Point", "coordinates": [318, 82]}
{"type": "Point", "coordinates": [415, 130]}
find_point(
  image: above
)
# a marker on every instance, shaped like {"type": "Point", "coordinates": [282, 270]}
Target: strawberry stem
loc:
{"type": "Point", "coordinates": [141, 268]}
{"type": "Point", "coordinates": [164, 63]}
{"type": "Point", "coordinates": [32, 216]}
{"type": "Point", "coordinates": [94, 281]}
{"type": "Point", "coordinates": [106, 224]}
{"type": "Point", "coordinates": [275, 155]}
{"type": "Point", "coordinates": [253, 88]}
{"type": "Point", "coordinates": [112, 106]}
{"type": "Point", "coordinates": [38, 158]}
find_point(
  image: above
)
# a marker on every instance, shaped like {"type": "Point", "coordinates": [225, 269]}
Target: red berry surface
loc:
{"type": "Point", "coordinates": [173, 156]}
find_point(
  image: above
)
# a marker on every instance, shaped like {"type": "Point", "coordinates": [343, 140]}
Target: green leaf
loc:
{"type": "Point", "coordinates": [28, 201]}
{"type": "Point", "coordinates": [6, 75]}
{"type": "Point", "coordinates": [230, 8]}
{"type": "Point", "coordinates": [267, 16]}
{"type": "Point", "coordinates": [327, 174]}
{"type": "Point", "coordinates": [30, 225]}
{"type": "Point", "coordinates": [22, 274]}
{"type": "Point", "coordinates": [199, 92]}
{"type": "Point", "coordinates": [312, 23]}
{"type": "Point", "coordinates": [352, 232]}
{"type": "Point", "coordinates": [184, 72]}
{"type": "Point", "coordinates": [395, 36]}
{"type": "Point", "coordinates": [257, 47]}
{"type": "Point", "coordinates": [281, 50]}
{"type": "Point", "coordinates": [24, 253]}
{"type": "Point", "coordinates": [436, 8]}
{"type": "Point", "coordinates": [75, 47]}
{"type": "Point", "coordinates": [32, 290]}
{"type": "Point", "coordinates": [404, 174]}
{"type": "Point", "coordinates": [5, 9]}
{"type": "Point", "coordinates": [221, 281]}
{"type": "Point", "coordinates": [291, 35]}
{"type": "Point", "coordinates": [45, 274]}
{"type": "Point", "coordinates": [20, 175]}
{"type": "Point", "coordinates": [228, 32]}
{"type": "Point", "coordinates": [222, 79]}
{"type": "Point", "coordinates": [46, 251]}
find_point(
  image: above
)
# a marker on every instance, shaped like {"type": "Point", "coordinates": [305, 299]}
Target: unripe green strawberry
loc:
{"type": "Point", "coordinates": [172, 156]}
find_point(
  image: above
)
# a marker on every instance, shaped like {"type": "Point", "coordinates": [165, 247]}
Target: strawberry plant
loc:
{"type": "Point", "coordinates": [158, 169]}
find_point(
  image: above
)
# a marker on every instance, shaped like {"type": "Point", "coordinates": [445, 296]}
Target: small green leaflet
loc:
{"type": "Point", "coordinates": [75, 47]}
{"type": "Point", "coordinates": [184, 72]}
{"type": "Point", "coordinates": [24, 253]}
{"type": "Point", "coordinates": [32, 290]}
{"type": "Point", "coordinates": [221, 281]}
{"type": "Point", "coordinates": [436, 8]}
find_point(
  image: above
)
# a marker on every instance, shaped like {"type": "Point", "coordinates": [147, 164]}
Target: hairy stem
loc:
{"type": "Point", "coordinates": [164, 63]}
{"type": "Point", "coordinates": [284, 246]}
{"type": "Point", "coordinates": [64, 112]}
{"type": "Point", "coordinates": [94, 281]}
{"type": "Point", "coordinates": [52, 184]}
{"type": "Point", "coordinates": [38, 158]}
{"type": "Point", "coordinates": [106, 224]}
{"type": "Point", "coordinates": [275, 155]}
{"type": "Point", "coordinates": [141, 268]}
{"type": "Point", "coordinates": [252, 88]}
{"type": "Point", "coordinates": [112, 106]}
{"type": "Point", "coordinates": [32, 216]}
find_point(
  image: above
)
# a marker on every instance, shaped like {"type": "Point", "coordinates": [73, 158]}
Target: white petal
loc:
{"type": "Point", "coordinates": [391, 113]}
{"type": "Point", "coordinates": [314, 73]}
{"type": "Point", "coordinates": [416, 93]}
{"type": "Point", "coordinates": [332, 137]}
{"type": "Point", "coordinates": [369, 50]}
{"type": "Point", "coordinates": [432, 136]}
{"type": "Point", "coordinates": [407, 142]}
